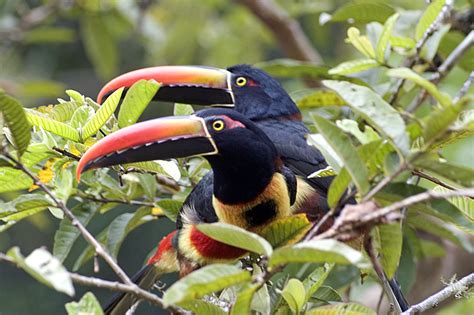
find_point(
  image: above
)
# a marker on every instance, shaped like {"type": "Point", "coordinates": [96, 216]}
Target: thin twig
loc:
{"type": "Point", "coordinates": [375, 216]}
{"type": "Point", "coordinates": [99, 249]}
{"type": "Point", "coordinates": [444, 69]}
{"type": "Point", "coordinates": [67, 153]}
{"type": "Point", "coordinates": [454, 56]}
{"type": "Point", "coordinates": [124, 202]}
{"type": "Point", "coordinates": [419, 45]}
{"type": "Point", "coordinates": [434, 300]}
{"type": "Point", "coordinates": [433, 179]}
{"type": "Point", "coordinates": [465, 87]}
{"type": "Point", "coordinates": [316, 227]}
{"type": "Point", "coordinates": [288, 31]}
{"type": "Point", "coordinates": [384, 182]}
{"type": "Point", "coordinates": [120, 287]}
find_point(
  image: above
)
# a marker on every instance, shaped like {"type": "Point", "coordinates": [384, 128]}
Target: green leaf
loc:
{"type": "Point", "coordinates": [243, 302]}
{"type": "Point", "coordinates": [294, 294]}
{"type": "Point", "coordinates": [199, 307]}
{"type": "Point", "coordinates": [428, 17]}
{"type": "Point", "coordinates": [316, 278]}
{"type": "Point", "coordinates": [390, 240]}
{"type": "Point", "coordinates": [342, 145]}
{"type": "Point", "coordinates": [122, 225]}
{"type": "Point", "coordinates": [338, 187]}
{"type": "Point", "coordinates": [462, 128]}
{"type": "Point", "coordinates": [465, 204]}
{"type": "Point", "coordinates": [341, 309]}
{"type": "Point", "coordinates": [170, 208]}
{"type": "Point", "coordinates": [402, 42]}
{"type": "Point", "coordinates": [441, 229]}
{"type": "Point", "coordinates": [352, 127]}
{"type": "Point", "coordinates": [318, 141]}
{"type": "Point", "coordinates": [361, 43]}
{"type": "Point", "coordinates": [320, 98]}
{"type": "Point", "coordinates": [80, 116]}
{"type": "Point", "coordinates": [64, 111]}
{"type": "Point", "coordinates": [237, 237]}
{"type": "Point", "coordinates": [384, 39]}
{"type": "Point", "coordinates": [326, 294]}
{"type": "Point", "coordinates": [439, 121]}
{"type": "Point", "coordinates": [88, 304]}
{"type": "Point", "coordinates": [45, 268]}
{"type": "Point", "coordinates": [51, 125]}
{"type": "Point", "coordinates": [459, 174]}
{"type": "Point", "coordinates": [136, 100]}
{"type": "Point", "coordinates": [204, 281]}
{"type": "Point", "coordinates": [318, 251]}
{"type": "Point", "coordinates": [15, 119]}
{"type": "Point", "coordinates": [100, 45]}
{"type": "Point", "coordinates": [24, 203]}
{"type": "Point", "coordinates": [182, 110]}
{"type": "Point", "coordinates": [102, 115]}
{"type": "Point", "coordinates": [354, 66]}
{"type": "Point", "coordinates": [375, 110]}
{"type": "Point", "coordinates": [67, 234]}
{"type": "Point", "coordinates": [286, 230]}
{"type": "Point", "coordinates": [408, 74]}
{"type": "Point", "coordinates": [13, 179]}
{"type": "Point", "coordinates": [363, 12]}
{"type": "Point", "coordinates": [441, 209]}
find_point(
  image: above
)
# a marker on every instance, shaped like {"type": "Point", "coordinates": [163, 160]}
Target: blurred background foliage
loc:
{"type": "Point", "coordinates": [52, 45]}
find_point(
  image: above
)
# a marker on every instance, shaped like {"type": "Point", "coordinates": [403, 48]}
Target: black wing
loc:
{"type": "Point", "coordinates": [289, 137]}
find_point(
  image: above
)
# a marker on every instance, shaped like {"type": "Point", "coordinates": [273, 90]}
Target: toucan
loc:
{"type": "Point", "coordinates": [252, 187]}
{"type": "Point", "coordinates": [260, 98]}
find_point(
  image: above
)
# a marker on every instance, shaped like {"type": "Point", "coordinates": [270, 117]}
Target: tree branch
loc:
{"type": "Point", "coordinates": [343, 225]}
{"type": "Point", "coordinates": [124, 202]}
{"type": "Point", "coordinates": [419, 45]}
{"type": "Point", "coordinates": [434, 300]}
{"type": "Point", "coordinates": [287, 31]}
{"type": "Point", "coordinates": [465, 87]}
{"type": "Point", "coordinates": [99, 249]}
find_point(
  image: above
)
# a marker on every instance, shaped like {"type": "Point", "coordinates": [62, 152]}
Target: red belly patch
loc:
{"type": "Point", "coordinates": [209, 248]}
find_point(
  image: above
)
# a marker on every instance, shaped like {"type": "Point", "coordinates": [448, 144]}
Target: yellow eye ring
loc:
{"type": "Point", "coordinates": [218, 125]}
{"type": "Point", "coordinates": [241, 81]}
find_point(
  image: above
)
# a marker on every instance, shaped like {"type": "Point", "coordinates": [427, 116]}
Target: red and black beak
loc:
{"type": "Point", "coordinates": [181, 84]}
{"type": "Point", "coordinates": [157, 139]}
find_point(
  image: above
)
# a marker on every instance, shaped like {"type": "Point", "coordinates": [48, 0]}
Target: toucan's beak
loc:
{"type": "Point", "coordinates": [181, 84]}
{"type": "Point", "coordinates": [157, 139]}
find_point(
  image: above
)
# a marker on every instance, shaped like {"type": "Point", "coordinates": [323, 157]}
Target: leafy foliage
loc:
{"type": "Point", "coordinates": [371, 120]}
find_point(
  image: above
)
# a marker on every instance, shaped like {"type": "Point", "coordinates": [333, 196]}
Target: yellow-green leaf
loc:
{"type": "Point", "coordinates": [295, 295]}
{"type": "Point", "coordinates": [320, 98]}
{"type": "Point", "coordinates": [428, 17]}
{"type": "Point", "coordinates": [390, 239]}
{"type": "Point", "coordinates": [88, 304]}
{"type": "Point", "coordinates": [204, 281]}
{"type": "Point", "coordinates": [342, 145]}
{"type": "Point", "coordinates": [327, 250]}
{"type": "Point", "coordinates": [102, 115]}
{"type": "Point", "coordinates": [136, 100]}
{"type": "Point", "coordinates": [15, 118]}
{"type": "Point", "coordinates": [354, 66]}
{"type": "Point", "coordinates": [409, 74]}
{"type": "Point", "coordinates": [286, 230]}
{"type": "Point", "coordinates": [341, 309]}
{"type": "Point", "coordinates": [360, 42]}
{"type": "Point", "coordinates": [237, 237]}
{"type": "Point", "coordinates": [384, 39]}
{"type": "Point", "coordinates": [51, 125]}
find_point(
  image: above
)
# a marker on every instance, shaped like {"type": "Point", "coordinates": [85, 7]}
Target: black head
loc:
{"type": "Point", "coordinates": [259, 96]}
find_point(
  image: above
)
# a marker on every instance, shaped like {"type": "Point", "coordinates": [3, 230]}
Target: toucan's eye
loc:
{"type": "Point", "coordinates": [218, 125]}
{"type": "Point", "coordinates": [241, 81]}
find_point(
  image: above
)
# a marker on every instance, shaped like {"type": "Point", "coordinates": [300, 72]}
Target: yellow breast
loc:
{"type": "Point", "coordinates": [237, 214]}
